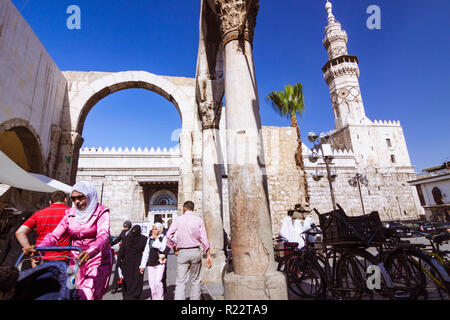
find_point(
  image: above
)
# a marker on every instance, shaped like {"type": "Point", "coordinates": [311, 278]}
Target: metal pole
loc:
{"type": "Point", "coordinates": [333, 200]}
{"type": "Point", "coordinates": [101, 196]}
{"type": "Point", "coordinates": [360, 195]}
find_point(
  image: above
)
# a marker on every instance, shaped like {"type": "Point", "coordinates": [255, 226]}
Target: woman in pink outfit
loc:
{"type": "Point", "coordinates": [87, 223]}
{"type": "Point", "coordinates": [154, 258]}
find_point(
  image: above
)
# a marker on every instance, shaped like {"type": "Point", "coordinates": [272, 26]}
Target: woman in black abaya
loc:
{"type": "Point", "coordinates": [129, 258]}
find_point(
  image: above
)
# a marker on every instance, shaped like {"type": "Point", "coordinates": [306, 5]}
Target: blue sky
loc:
{"type": "Point", "coordinates": [405, 70]}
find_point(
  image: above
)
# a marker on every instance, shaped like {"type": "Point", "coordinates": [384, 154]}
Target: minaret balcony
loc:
{"type": "Point", "coordinates": [343, 65]}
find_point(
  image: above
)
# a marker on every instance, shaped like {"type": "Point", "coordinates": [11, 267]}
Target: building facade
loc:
{"type": "Point", "coordinates": [374, 148]}
{"type": "Point", "coordinates": [433, 187]}
{"type": "Point", "coordinates": [241, 176]}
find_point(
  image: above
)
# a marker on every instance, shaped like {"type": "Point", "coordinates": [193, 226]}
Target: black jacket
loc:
{"type": "Point", "coordinates": [153, 256]}
{"type": "Point", "coordinates": [119, 238]}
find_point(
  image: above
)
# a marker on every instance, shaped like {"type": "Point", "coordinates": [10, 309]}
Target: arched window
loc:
{"type": "Point", "coordinates": [163, 207]}
{"type": "Point", "coordinates": [163, 200]}
{"type": "Point", "coordinates": [437, 195]}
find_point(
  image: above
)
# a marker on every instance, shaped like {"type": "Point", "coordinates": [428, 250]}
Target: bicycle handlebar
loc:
{"type": "Point", "coordinates": [313, 226]}
{"type": "Point", "coordinates": [419, 232]}
{"type": "Point", "coordinates": [70, 248]}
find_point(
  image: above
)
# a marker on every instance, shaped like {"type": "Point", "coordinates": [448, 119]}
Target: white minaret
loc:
{"type": "Point", "coordinates": [341, 73]}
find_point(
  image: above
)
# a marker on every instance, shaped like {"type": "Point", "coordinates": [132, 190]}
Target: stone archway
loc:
{"type": "Point", "coordinates": [104, 84]}
{"type": "Point", "coordinates": [21, 143]}
{"type": "Point", "coordinates": [86, 89]}
{"type": "Point", "coordinates": [28, 154]}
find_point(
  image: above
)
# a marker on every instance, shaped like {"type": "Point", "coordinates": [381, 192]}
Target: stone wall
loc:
{"type": "Point", "coordinates": [122, 194]}
{"type": "Point", "coordinates": [284, 179]}
{"type": "Point", "coordinates": [121, 173]}
{"type": "Point", "coordinates": [32, 88]}
{"type": "Point", "coordinates": [388, 191]}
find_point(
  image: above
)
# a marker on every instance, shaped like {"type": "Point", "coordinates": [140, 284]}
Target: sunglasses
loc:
{"type": "Point", "coordinates": [79, 198]}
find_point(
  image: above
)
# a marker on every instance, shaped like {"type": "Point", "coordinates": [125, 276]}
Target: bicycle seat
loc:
{"type": "Point", "coordinates": [439, 238]}
{"type": "Point", "coordinates": [291, 244]}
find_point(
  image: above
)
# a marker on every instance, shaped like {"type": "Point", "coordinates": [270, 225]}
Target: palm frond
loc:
{"type": "Point", "coordinates": [288, 102]}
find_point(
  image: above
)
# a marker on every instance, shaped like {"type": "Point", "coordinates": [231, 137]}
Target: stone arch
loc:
{"type": "Point", "coordinates": [31, 144]}
{"type": "Point", "coordinates": [88, 88]}
{"type": "Point", "coordinates": [93, 92]}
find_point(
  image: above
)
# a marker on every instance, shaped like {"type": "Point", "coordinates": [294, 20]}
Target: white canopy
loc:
{"type": "Point", "coordinates": [13, 175]}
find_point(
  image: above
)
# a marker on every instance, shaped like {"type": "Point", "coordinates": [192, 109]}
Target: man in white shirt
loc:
{"type": "Point", "coordinates": [291, 229]}
{"type": "Point", "coordinates": [294, 225]}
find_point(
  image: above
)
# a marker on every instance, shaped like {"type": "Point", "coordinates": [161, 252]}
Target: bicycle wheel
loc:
{"type": "Point", "coordinates": [417, 275]}
{"type": "Point", "coordinates": [310, 277]}
{"type": "Point", "coordinates": [352, 279]}
{"type": "Point", "coordinates": [408, 280]}
{"type": "Point", "coordinates": [287, 266]}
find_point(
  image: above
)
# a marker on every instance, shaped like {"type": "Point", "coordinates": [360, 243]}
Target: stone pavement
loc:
{"type": "Point", "coordinates": [209, 292]}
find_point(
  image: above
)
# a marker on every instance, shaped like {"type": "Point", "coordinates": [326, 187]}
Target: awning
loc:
{"type": "Point", "coordinates": [13, 175]}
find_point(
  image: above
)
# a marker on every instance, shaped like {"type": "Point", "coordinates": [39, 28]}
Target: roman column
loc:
{"type": "Point", "coordinates": [254, 275]}
{"type": "Point", "coordinates": [210, 112]}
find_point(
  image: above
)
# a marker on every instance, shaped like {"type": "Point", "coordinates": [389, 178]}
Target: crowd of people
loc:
{"type": "Point", "coordinates": [86, 225]}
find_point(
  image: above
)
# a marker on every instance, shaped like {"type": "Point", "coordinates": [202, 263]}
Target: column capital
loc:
{"type": "Point", "coordinates": [237, 19]}
{"type": "Point", "coordinates": [210, 113]}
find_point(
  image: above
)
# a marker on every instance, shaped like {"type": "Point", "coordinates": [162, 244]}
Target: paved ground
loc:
{"type": "Point", "coordinates": [171, 278]}
{"type": "Point", "coordinates": [208, 291]}
{"type": "Point", "coordinates": [146, 294]}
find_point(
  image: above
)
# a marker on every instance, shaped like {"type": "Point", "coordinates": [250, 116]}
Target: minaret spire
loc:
{"type": "Point", "coordinates": [336, 39]}
{"type": "Point", "coordinates": [341, 73]}
{"type": "Point", "coordinates": [329, 9]}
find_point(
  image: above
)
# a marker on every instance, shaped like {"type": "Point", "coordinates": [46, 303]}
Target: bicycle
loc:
{"type": "Point", "coordinates": [416, 273]}
{"type": "Point", "coordinates": [345, 245]}
{"type": "Point", "coordinates": [286, 265]}
{"type": "Point", "coordinates": [302, 268]}
{"type": "Point", "coordinates": [436, 241]}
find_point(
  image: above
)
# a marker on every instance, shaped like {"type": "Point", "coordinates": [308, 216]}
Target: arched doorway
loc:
{"type": "Point", "coordinates": [162, 207]}
{"type": "Point", "coordinates": [88, 88]}
{"type": "Point", "coordinates": [179, 91]}
{"type": "Point", "coordinates": [20, 142]}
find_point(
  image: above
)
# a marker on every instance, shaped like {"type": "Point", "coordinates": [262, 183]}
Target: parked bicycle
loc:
{"type": "Point", "coordinates": [338, 269]}
{"type": "Point", "coordinates": [301, 267]}
{"type": "Point", "coordinates": [417, 272]}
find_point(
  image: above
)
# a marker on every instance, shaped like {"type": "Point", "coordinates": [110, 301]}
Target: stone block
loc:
{"type": "Point", "coordinates": [271, 286]}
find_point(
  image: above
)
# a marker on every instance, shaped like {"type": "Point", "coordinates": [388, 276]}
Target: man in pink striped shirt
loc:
{"type": "Point", "coordinates": [187, 233]}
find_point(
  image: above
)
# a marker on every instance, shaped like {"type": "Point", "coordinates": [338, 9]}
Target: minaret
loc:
{"type": "Point", "coordinates": [341, 73]}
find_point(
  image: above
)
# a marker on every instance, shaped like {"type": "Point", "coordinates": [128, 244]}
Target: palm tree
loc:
{"type": "Point", "coordinates": [290, 102]}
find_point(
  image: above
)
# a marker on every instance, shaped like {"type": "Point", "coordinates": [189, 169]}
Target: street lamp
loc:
{"type": "Point", "coordinates": [319, 142]}
{"type": "Point", "coordinates": [356, 181]}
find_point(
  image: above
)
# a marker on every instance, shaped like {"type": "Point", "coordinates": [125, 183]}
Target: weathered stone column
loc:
{"type": "Point", "coordinates": [254, 275]}
{"type": "Point", "coordinates": [186, 181]}
{"type": "Point", "coordinates": [210, 112]}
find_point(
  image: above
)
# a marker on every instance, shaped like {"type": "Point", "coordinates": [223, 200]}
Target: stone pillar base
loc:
{"type": "Point", "coordinates": [271, 286]}
{"type": "Point", "coordinates": [214, 274]}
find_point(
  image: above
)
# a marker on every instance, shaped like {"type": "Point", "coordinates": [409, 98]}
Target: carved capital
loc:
{"type": "Point", "coordinates": [210, 113]}
{"type": "Point", "coordinates": [237, 19]}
